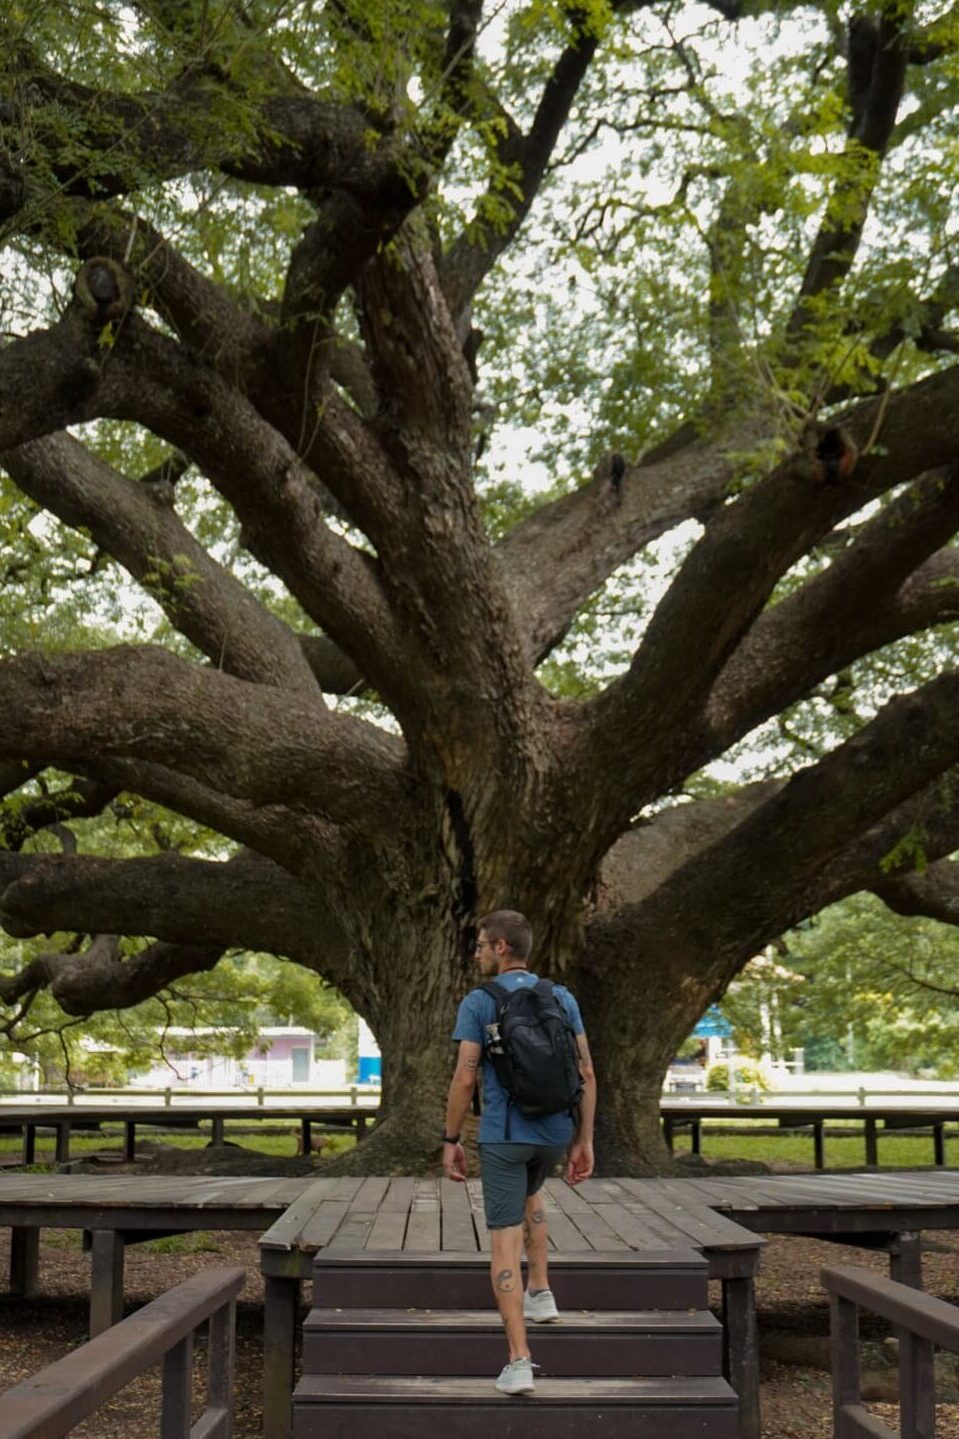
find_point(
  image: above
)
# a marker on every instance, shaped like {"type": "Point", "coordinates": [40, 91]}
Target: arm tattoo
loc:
{"type": "Point", "coordinates": [504, 1281]}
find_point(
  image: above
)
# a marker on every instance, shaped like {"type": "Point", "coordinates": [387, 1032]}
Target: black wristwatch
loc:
{"type": "Point", "coordinates": [451, 1139]}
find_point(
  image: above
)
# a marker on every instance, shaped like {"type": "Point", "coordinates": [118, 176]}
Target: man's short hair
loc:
{"type": "Point", "coordinates": [512, 926]}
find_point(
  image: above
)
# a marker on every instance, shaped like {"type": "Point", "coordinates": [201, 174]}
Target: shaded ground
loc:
{"type": "Point", "coordinates": [796, 1399]}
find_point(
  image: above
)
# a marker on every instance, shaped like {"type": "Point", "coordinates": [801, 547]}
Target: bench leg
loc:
{"type": "Point", "coordinates": [106, 1280]}
{"type": "Point", "coordinates": [741, 1351]}
{"type": "Point", "coordinates": [24, 1261]}
{"type": "Point", "coordinates": [129, 1139]}
{"type": "Point", "coordinates": [819, 1155]}
{"type": "Point", "coordinates": [281, 1302]}
{"type": "Point", "coordinates": [306, 1136]}
{"type": "Point", "coordinates": [217, 1126]}
{"type": "Point", "coordinates": [29, 1144]}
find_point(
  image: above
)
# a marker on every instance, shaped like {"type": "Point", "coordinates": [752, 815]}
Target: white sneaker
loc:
{"type": "Point", "coordinates": [541, 1307]}
{"type": "Point", "coordinates": [516, 1378]}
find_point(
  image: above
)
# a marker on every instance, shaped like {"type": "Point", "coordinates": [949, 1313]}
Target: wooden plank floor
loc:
{"type": "Point", "coordinates": [157, 1191]}
{"type": "Point", "coordinates": [433, 1216]}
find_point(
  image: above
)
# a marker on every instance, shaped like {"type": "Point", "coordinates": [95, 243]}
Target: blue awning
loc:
{"type": "Point", "coordinates": [713, 1025]}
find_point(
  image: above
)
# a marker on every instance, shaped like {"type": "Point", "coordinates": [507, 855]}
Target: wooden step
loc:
{"type": "Point", "coordinates": [657, 1279]}
{"type": "Point", "coordinates": [470, 1342]}
{"type": "Point", "coordinates": [332, 1406]}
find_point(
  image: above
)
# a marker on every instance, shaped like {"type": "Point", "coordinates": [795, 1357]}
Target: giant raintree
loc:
{"type": "Point", "coordinates": [388, 346]}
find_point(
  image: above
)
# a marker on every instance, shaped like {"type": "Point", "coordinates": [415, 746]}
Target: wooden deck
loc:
{"type": "Point", "coordinates": [899, 1117]}
{"type": "Point", "coordinates": [29, 1120]}
{"type": "Point", "coordinates": [384, 1224]}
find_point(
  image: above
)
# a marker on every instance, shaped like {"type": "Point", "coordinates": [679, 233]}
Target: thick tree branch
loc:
{"type": "Point", "coordinates": [887, 582]}
{"type": "Point", "coordinates": [723, 904]}
{"type": "Point", "coordinates": [878, 54]}
{"type": "Point", "coordinates": [934, 892]}
{"type": "Point", "coordinates": [525, 158]}
{"type": "Point", "coordinates": [135, 522]}
{"type": "Point", "coordinates": [554, 560]}
{"type": "Point", "coordinates": [643, 724]}
{"type": "Point", "coordinates": [284, 139]}
{"type": "Point", "coordinates": [249, 741]}
{"type": "Point", "coordinates": [50, 377]}
{"type": "Point", "coordinates": [153, 381]}
{"type": "Point", "coordinates": [305, 843]}
{"type": "Point", "coordinates": [99, 977]}
{"type": "Point", "coordinates": [246, 902]}
{"type": "Point", "coordinates": [200, 311]}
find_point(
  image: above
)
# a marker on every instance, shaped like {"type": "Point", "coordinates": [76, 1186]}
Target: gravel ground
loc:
{"type": "Point", "coordinates": [796, 1398]}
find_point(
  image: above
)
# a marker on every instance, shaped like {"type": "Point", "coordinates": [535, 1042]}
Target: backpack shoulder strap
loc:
{"type": "Point", "coordinates": [497, 992]}
{"type": "Point", "coordinates": [544, 987]}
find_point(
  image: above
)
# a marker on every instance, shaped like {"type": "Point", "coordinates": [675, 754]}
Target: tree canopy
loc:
{"type": "Point", "coordinates": [532, 429]}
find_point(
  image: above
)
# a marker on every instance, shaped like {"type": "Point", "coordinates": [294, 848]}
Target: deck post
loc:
{"type": "Point", "coordinates": [29, 1143]}
{"type": "Point", "coordinates": [222, 1363]}
{"type": "Point", "coordinates": [130, 1139]}
{"type": "Point", "coordinates": [917, 1387]}
{"type": "Point", "coordinates": [905, 1258]}
{"type": "Point", "coordinates": [62, 1154]}
{"type": "Point", "coordinates": [280, 1303]}
{"type": "Point", "coordinates": [176, 1393]}
{"type": "Point", "coordinates": [741, 1351]}
{"type": "Point", "coordinates": [217, 1126]}
{"type": "Point", "coordinates": [696, 1136]}
{"type": "Point", "coordinates": [106, 1280]}
{"type": "Point", "coordinates": [819, 1157]}
{"type": "Point", "coordinates": [939, 1144]}
{"type": "Point", "coordinates": [844, 1343]}
{"type": "Point", "coordinates": [306, 1136]}
{"type": "Point", "coordinates": [24, 1261]}
{"type": "Point", "coordinates": [872, 1142]}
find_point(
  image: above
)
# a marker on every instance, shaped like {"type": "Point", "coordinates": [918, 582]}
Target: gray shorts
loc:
{"type": "Point", "coordinates": [511, 1173]}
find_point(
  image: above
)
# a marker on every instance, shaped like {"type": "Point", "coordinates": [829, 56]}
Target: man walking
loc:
{"type": "Point", "coordinates": [517, 1152]}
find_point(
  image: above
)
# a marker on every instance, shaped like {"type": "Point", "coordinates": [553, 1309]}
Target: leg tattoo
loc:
{"type": "Point", "coordinates": [504, 1281]}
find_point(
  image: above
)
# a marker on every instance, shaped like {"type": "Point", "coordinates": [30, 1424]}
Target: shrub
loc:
{"type": "Point", "coordinates": [749, 1075]}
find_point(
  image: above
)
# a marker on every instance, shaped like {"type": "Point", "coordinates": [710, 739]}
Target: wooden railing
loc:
{"type": "Point", "coordinates": [58, 1398]}
{"type": "Point", "coordinates": [922, 1325]}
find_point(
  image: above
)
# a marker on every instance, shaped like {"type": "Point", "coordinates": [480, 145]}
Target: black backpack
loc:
{"type": "Point", "coordinates": [533, 1050]}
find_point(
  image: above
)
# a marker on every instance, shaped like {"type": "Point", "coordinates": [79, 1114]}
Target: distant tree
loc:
{"type": "Point", "coordinates": [276, 273]}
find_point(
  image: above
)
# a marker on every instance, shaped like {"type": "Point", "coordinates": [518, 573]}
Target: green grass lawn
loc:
{"type": "Point", "coordinates": [111, 1137]}
{"type": "Point", "coordinates": [896, 1150]}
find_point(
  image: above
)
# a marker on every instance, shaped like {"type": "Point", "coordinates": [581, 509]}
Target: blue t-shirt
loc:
{"type": "Point", "coordinates": [475, 1013]}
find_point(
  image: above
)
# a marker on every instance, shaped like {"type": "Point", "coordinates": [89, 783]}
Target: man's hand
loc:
{"type": "Point", "coordinates": [454, 1162]}
{"type": "Point", "coordinates": [579, 1166]}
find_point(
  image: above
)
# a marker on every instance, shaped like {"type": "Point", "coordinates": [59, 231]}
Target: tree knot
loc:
{"type": "Point", "coordinates": [836, 456]}
{"type": "Point", "coordinates": [103, 289]}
